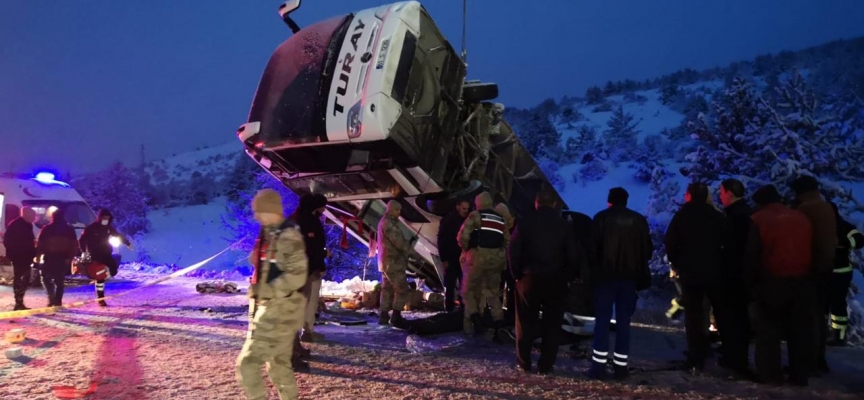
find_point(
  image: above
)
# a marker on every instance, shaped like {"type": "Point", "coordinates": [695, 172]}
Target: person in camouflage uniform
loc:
{"type": "Point", "coordinates": [276, 302]}
{"type": "Point", "coordinates": [393, 253]}
{"type": "Point", "coordinates": [484, 237]}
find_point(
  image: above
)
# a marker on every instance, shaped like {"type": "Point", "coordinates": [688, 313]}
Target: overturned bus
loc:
{"type": "Point", "coordinates": [373, 106]}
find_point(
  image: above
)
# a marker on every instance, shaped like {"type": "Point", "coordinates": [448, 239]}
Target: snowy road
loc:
{"type": "Point", "coordinates": [169, 342]}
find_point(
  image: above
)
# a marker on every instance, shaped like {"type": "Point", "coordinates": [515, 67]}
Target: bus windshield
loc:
{"type": "Point", "coordinates": [291, 97]}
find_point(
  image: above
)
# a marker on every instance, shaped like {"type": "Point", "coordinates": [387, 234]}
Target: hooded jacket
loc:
{"type": "Point", "coordinates": [95, 237]}
{"type": "Point", "coordinates": [312, 230]}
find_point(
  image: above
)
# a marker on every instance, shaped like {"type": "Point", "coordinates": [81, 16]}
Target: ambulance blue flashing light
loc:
{"type": "Point", "coordinates": [47, 178]}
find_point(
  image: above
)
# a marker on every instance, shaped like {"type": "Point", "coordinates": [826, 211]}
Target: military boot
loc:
{"type": "Point", "coordinates": [384, 319]}
{"type": "Point", "coordinates": [397, 320]}
{"type": "Point", "coordinates": [477, 321]}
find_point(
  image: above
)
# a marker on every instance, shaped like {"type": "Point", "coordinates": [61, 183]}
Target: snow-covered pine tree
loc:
{"type": "Point", "coordinates": [238, 219]}
{"type": "Point", "coordinates": [668, 94]}
{"type": "Point", "coordinates": [594, 95]}
{"type": "Point", "coordinates": [570, 115]}
{"type": "Point", "coordinates": [763, 142]}
{"type": "Point", "coordinates": [663, 201]}
{"type": "Point", "coordinates": [584, 139]}
{"type": "Point", "coordinates": [620, 138]}
{"type": "Point", "coordinates": [118, 189]}
{"type": "Point", "coordinates": [539, 137]}
{"type": "Point", "coordinates": [552, 171]}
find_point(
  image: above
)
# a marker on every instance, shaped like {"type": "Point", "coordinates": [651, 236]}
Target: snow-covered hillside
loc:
{"type": "Point", "coordinates": [185, 235]}
{"type": "Point", "coordinates": [215, 162]}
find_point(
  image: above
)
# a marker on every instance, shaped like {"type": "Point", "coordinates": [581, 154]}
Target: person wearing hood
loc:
{"type": "Point", "coordinates": [824, 222]}
{"type": "Point", "coordinates": [483, 237]}
{"type": "Point", "coordinates": [20, 246]}
{"type": "Point", "coordinates": [96, 240]}
{"type": "Point", "coordinates": [393, 252]}
{"type": "Point", "coordinates": [308, 217]}
{"type": "Point", "coordinates": [57, 244]}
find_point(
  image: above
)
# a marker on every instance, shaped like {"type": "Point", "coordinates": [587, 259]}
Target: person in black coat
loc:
{"type": "Point", "coordinates": [449, 251]}
{"type": "Point", "coordinates": [695, 242]}
{"type": "Point", "coordinates": [544, 257]}
{"type": "Point", "coordinates": [738, 329]}
{"type": "Point", "coordinates": [96, 240]}
{"type": "Point", "coordinates": [308, 217]}
{"type": "Point", "coordinates": [623, 248]}
{"type": "Point", "coordinates": [57, 244]}
{"type": "Point", "coordinates": [20, 243]}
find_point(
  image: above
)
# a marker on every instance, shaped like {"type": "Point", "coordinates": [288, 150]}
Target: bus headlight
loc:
{"type": "Point", "coordinates": [355, 123]}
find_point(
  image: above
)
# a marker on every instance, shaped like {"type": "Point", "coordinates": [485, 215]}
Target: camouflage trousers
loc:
{"type": "Point", "coordinates": [482, 284]}
{"type": "Point", "coordinates": [270, 340]}
{"type": "Point", "coordinates": [394, 291]}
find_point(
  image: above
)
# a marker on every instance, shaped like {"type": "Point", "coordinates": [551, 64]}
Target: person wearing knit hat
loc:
{"type": "Point", "coordinates": [268, 201]}
{"type": "Point", "coordinates": [277, 304]}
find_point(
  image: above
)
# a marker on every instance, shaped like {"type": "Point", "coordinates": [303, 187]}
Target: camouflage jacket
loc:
{"type": "Point", "coordinates": [393, 248]}
{"type": "Point", "coordinates": [285, 268]}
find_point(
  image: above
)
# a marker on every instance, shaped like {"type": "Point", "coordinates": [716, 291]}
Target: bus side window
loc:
{"type": "Point", "coordinates": [10, 212]}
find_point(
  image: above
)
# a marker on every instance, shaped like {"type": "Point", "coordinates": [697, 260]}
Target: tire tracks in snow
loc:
{"type": "Point", "coordinates": [61, 320]}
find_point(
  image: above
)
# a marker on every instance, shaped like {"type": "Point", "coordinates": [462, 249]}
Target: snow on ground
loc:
{"type": "Point", "coordinates": [169, 342]}
{"type": "Point", "coordinates": [186, 235]}
{"type": "Point", "coordinates": [589, 197]}
{"type": "Point", "coordinates": [651, 116]}
{"type": "Point", "coordinates": [210, 161]}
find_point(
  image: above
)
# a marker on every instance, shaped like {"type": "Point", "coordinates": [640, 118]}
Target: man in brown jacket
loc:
{"type": "Point", "coordinates": [824, 223]}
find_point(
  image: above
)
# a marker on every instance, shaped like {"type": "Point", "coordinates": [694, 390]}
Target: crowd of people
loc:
{"type": "Point", "coordinates": [54, 251]}
{"type": "Point", "coordinates": [776, 272]}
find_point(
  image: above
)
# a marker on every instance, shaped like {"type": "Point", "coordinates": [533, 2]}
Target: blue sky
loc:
{"type": "Point", "coordinates": [84, 83]}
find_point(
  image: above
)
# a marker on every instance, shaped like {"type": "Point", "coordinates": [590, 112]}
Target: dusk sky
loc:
{"type": "Point", "coordinates": [84, 83]}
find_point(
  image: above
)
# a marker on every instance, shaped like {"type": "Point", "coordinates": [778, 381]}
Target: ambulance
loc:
{"type": "Point", "coordinates": [43, 193]}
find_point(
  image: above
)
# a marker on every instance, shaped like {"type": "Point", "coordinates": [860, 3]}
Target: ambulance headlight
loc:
{"type": "Point", "coordinates": [114, 241]}
{"type": "Point", "coordinates": [355, 123]}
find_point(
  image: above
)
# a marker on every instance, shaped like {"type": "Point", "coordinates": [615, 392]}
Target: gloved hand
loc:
{"type": "Point", "coordinates": [130, 247]}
